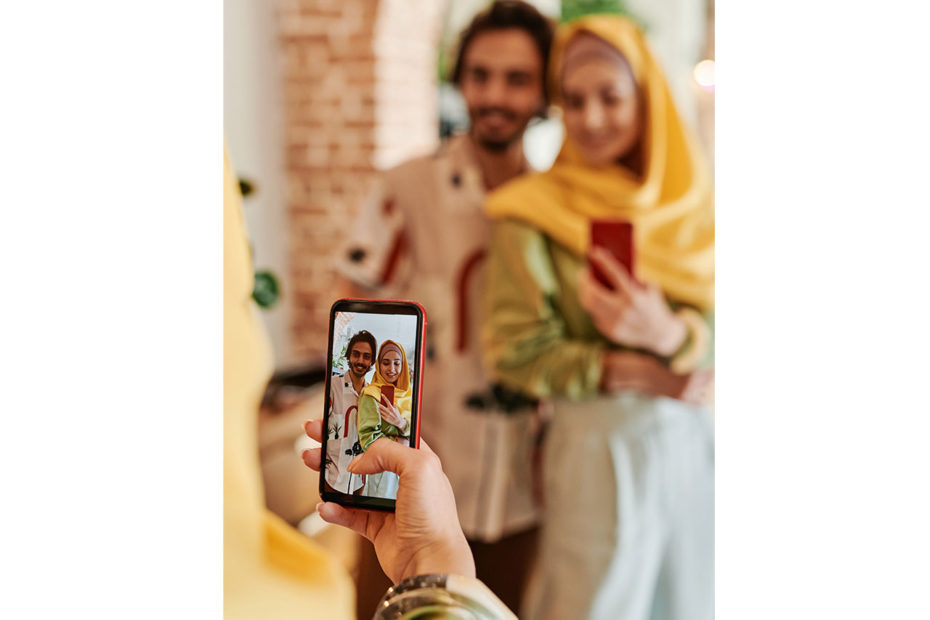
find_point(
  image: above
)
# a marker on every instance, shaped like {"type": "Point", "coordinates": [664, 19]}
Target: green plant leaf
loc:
{"type": "Point", "coordinates": [266, 291]}
{"type": "Point", "coordinates": [573, 9]}
{"type": "Point", "coordinates": [246, 187]}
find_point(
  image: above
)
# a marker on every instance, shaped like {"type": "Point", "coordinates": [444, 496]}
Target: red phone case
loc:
{"type": "Point", "coordinates": [616, 236]}
{"type": "Point", "coordinates": [388, 392]}
{"type": "Point", "coordinates": [375, 503]}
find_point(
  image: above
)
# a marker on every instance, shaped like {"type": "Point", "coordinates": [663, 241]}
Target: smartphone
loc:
{"type": "Point", "coordinates": [375, 349]}
{"type": "Point", "coordinates": [616, 236]}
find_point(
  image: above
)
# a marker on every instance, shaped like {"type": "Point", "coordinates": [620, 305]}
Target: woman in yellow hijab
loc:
{"type": "Point", "coordinates": [628, 465]}
{"type": "Point", "coordinates": [270, 570]}
{"type": "Point", "coordinates": [379, 417]}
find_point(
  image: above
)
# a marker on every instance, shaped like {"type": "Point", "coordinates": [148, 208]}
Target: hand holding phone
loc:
{"type": "Point", "coordinates": [374, 385]}
{"type": "Point", "coordinates": [615, 236]}
{"type": "Point", "coordinates": [423, 535]}
{"type": "Point", "coordinates": [392, 415]}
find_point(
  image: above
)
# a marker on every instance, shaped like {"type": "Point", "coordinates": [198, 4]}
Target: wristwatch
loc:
{"type": "Point", "coordinates": [441, 596]}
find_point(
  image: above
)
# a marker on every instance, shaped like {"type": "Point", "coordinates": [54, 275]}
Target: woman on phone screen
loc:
{"type": "Point", "coordinates": [628, 459]}
{"type": "Point", "coordinates": [380, 415]}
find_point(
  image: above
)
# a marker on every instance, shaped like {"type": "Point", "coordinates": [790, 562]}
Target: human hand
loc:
{"type": "Point", "coordinates": [627, 370]}
{"type": "Point", "coordinates": [423, 535]}
{"type": "Point", "coordinates": [698, 387]}
{"type": "Point", "coordinates": [390, 414]}
{"type": "Point", "coordinates": [633, 314]}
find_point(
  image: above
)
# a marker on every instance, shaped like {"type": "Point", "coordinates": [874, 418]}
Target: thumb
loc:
{"type": "Point", "coordinates": [382, 455]}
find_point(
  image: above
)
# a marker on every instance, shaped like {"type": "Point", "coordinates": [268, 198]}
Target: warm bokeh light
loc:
{"type": "Point", "coordinates": [704, 75]}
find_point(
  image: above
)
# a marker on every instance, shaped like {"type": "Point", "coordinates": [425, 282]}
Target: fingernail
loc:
{"type": "Point", "coordinates": [318, 506]}
{"type": "Point", "coordinates": [307, 426]}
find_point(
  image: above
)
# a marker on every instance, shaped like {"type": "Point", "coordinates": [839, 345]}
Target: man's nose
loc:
{"type": "Point", "coordinates": [495, 92]}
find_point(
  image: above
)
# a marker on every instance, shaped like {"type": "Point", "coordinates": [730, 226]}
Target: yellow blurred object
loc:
{"type": "Point", "coordinates": [291, 489]}
{"type": "Point", "coordinates": [270, 570]}
{"type": "Point", "coordinates": [671, 207]}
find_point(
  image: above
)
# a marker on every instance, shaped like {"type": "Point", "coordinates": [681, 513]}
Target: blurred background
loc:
{"type": "Point", "coordinates": [319, 95]}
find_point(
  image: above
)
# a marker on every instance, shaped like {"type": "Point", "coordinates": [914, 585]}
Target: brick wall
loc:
{"type": "Point", "coordinates": [360, 94]}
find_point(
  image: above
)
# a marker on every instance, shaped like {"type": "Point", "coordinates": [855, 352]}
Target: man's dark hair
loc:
{"type": "Point", "coordinates": [363, 336]}
{"type": "Point", "coordinates": [504, 15]}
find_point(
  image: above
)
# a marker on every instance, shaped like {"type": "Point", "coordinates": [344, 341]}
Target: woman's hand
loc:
{"type": "Point", "coordinates": [627, 370]}
{"type": "Point", "coordinates": [698, 387]}
{"type": "Point", "coordinates": [423, 535]}
{"type": "Point", "coordinates": [390, 414]}
{"type": "Point", "coordinates": [633, 314]}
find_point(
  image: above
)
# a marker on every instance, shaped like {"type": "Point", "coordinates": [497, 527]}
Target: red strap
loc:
{"type": "Point", "coordinates": [468, 268]}
{"type": "Point", "coordinates": [348, 413]}
{"type": "Point", "coordinates": [400, 244]}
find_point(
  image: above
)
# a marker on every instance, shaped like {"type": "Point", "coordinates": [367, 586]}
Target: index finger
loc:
{"type": "Point", "coordinates": [598, 299]}
{"type": "Point", "coordinates": [612, 269]}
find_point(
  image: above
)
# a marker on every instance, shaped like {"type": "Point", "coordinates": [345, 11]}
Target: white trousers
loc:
{"type": "Point", "coordinates": [382, 485]}
{"type": "Point", "coordinates": [628, 528]}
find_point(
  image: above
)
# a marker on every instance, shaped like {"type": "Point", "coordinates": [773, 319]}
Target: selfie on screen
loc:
{"type": "Point", "coordinates": [371, 396]}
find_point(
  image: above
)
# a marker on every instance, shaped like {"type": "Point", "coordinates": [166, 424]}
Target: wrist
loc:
{"type": "Point", "coordinates": [671, 338]}
{"type": "Point", "coordinates": [627, 370]}
{"type": "Point", "coordinates": [609, 371]}
{"type": "Point", "coordinates": [687, 357]}
{"type": "Point", "coordinates": [453, 558]}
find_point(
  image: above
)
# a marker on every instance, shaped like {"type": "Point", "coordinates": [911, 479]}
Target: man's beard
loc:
{"type": "Point", "coordinates": [356, 372]}
{"type": "Point", "coordinates": [497, 144]}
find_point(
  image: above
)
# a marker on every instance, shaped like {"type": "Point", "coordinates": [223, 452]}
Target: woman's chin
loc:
{"type": "Point", "coordinates": [598, 159]}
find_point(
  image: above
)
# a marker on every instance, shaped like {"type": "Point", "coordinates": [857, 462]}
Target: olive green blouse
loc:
{"type": "Point", "coordinates": [537, 337]}
{"type": "Point", "coordinates": [372, 427]}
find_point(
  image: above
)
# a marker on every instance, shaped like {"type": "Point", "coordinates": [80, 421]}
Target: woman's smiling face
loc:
{"type": "Point", "coordinates": [391, 364]}
{"type": "Point", "coordinates": [602, 111]}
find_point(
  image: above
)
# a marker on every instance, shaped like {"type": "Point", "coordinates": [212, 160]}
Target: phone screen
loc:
{"type": "Point", "coordinates": [375, 350]}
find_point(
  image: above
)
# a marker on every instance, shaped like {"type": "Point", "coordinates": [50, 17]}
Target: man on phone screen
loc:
{"type": "Point", "coordinates": [342, 444]}
{"type": "Point", "coordinates": [422, 235]}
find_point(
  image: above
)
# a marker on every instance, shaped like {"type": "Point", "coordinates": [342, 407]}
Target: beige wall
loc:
{"type": "Point", "coordinates": [253, 122]}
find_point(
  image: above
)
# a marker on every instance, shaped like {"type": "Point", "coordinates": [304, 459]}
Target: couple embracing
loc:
{"type": "Point", "coordinates": [361, 413]}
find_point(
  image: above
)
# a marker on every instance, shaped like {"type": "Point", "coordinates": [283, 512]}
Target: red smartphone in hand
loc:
{"type": "Point", "coordinates": [362, 332]}
{"type": "Point", "coordinates": [616, 236]}
{"type": "Point", "coordinates": [387, 391]}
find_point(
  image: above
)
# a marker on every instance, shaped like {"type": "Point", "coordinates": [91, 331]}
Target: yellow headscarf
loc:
{"type": "Point", "coordinates": [270, 570]}
{"type": "Point", "coordinates": [403, 394]}
{"type": "Point", "coordinates": [671, 207]}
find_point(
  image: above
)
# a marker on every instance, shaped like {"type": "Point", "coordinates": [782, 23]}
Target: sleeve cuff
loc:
{"type": "Point", "coordinates": [695, 345]}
